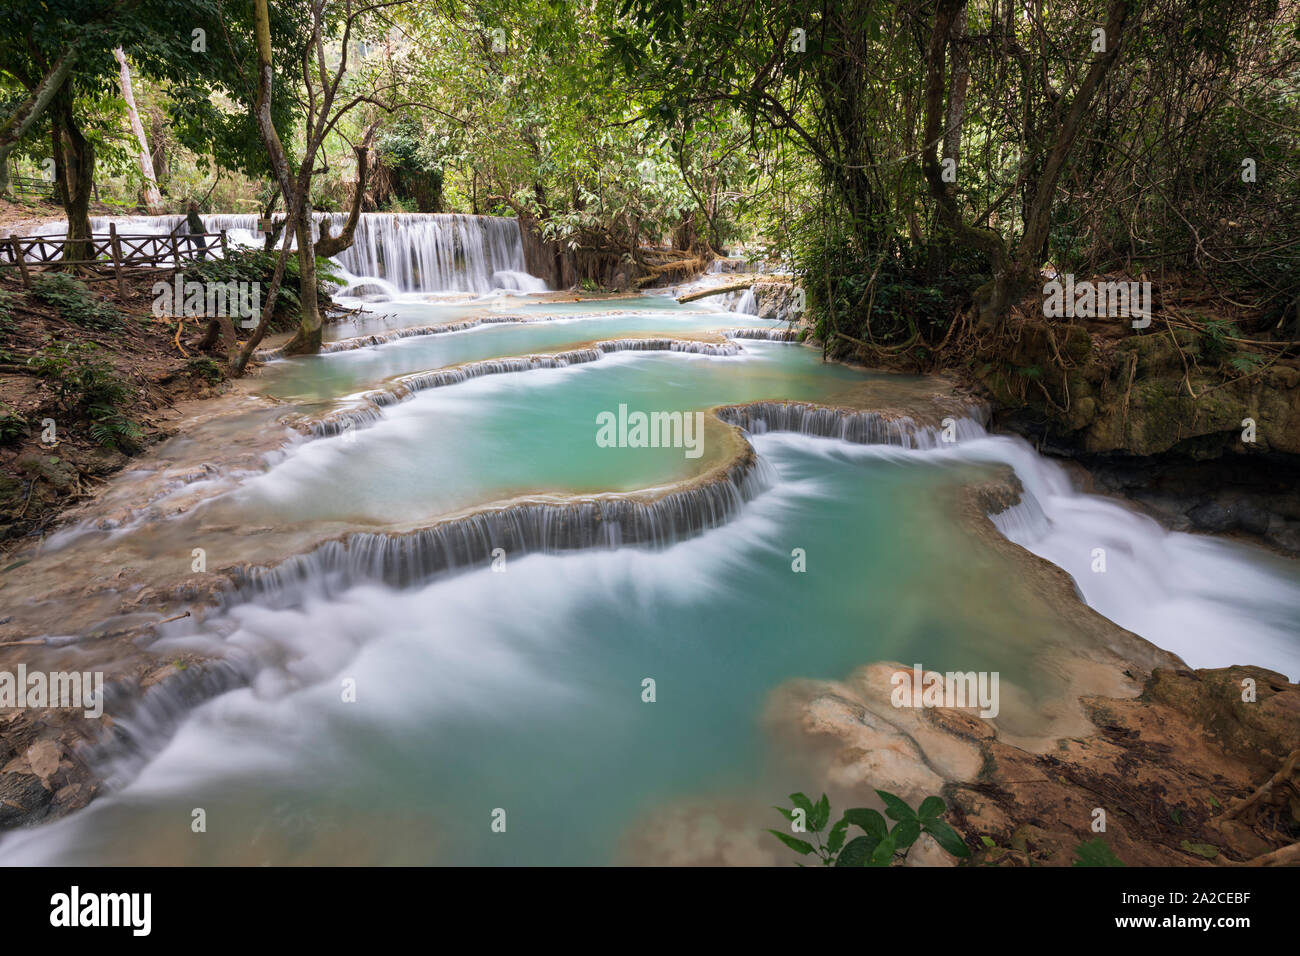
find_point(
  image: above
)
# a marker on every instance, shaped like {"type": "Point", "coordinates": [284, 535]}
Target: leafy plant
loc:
{"type": "Point", "coordinates": [206, 369]}
{"type": "Point", "coordinates": [1215, 343]}
{"type": "Point", "coordinates": [1096, 853]}
{"type": "Point", "coordinates": [74, 302]}
{"type": "Point", "coordinates": [7, 300]}
{"type": "Point", "coordinates": [89, 386]}
{"type": "Point", "coordinates": [246, 264]}
{"type": "Point", "coordinates": [878, 844]}
{"type": "Point", "coordinates": [12, 425]}
{"type": "Point", "coordinates": [1246, 362]}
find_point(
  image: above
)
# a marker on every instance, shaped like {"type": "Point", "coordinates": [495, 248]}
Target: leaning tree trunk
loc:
{"type": "Point", "coordinates": [20, 122]}
{"type": "Point", "coordinates": [295, 192]}
{"type": "Point", "coordinates": [1015, 270]}
{"type": "Point", "coordinates": [152, 197]}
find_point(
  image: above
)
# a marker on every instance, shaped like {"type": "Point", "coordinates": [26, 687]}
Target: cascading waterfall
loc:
{"type": "Point", "coordinates": [411, 331]}
{"type": "Point", "coordinates": [858, 427]}
{"type": "Point", "coordinates": [406, 386]}
{"type": "Point", "coordinates": [390, 252]}
{"type": "Point", "coordinates": [769, 335]}
{"type": "Point", "coordinates": [440, 253]}
{"type": "Point", "coordinates": [603, 521]}
{"type": "Point", "coordinates": [682, 580]}
{"type": "Point", "coordinates": [1182, 592]}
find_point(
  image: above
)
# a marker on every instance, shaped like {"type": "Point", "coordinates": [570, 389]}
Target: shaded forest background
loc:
{"type": "Point", "coordinates": [909, 161]}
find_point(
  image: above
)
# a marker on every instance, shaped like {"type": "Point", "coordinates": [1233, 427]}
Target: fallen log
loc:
{"type": "Point", "coordinates": [718, 290]}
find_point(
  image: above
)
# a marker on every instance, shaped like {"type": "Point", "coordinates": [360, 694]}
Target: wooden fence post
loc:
{"type": "Point", "coordinates": [223, 243]}
{"type": "Point", "coordinates": [176, 252]}
{"type": "Point", "coordinates": [22, 263]}
{"type": "Point", "coordinates": [116, 247]}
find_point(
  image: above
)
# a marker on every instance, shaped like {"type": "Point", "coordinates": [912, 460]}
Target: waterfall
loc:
{"type": "Point", "coordinates": [769, 335]}
{"type": "Point", "coordinates": [601, 521]}
{"type": "Point", "coordinates": [407, 252]}
{"type": "Point", "coordinates": [528, 527]}
{"type": "Point", "coordinates": [410, 331]}
{"type": "Point", "coordinates": [144, 720]}
{"type": "Point", "coordinates": [368, 412]}
{"type": "Point", "coordinates": [440, 253]}
{"type": "Point", "coordinates": [858, 427]}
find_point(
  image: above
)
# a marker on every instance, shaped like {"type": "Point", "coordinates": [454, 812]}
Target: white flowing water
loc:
{"type": "Point", "coordinates": [498, 647]}
{"type": "Point", "coordinates": [390, 253]}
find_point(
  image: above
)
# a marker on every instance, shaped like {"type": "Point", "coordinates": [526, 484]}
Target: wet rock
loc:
{"type": "Point", "coordinates": [1267, 727]}
{"type": "Point", "coordinates": [51, 468]}
{"type": "Point", "coordinates": [1213, 517]}
{"type": "Point", "coordinates": [22, 799]}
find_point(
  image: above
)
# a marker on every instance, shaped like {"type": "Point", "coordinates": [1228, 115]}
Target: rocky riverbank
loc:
{"type": "Point", "coordinates": [1180, 767]}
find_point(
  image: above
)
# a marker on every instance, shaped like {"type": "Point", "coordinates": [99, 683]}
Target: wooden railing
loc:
{"type": "Point", "coordinates": [36, 253]}
{"type": "Point", "coordinates": [29, 184]}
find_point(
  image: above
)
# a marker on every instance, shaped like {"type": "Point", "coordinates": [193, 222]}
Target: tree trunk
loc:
{"type": "Point", "coordinates": [74, 173]}
{"type": "Point", "coordinates": [295, 192]}
{"type": "Point", "coordinates": [957, 95]}
{"type": "Point", "coordinates": [152, 197]}
{"type": "Point", "coordinates": [1014, 273]}
{"type": "Point", "coordinates": [268, 309]}
{"type": "Point", "coordinates": [307, 340]}
{"type": "Point", "coordinates": [158, 157]}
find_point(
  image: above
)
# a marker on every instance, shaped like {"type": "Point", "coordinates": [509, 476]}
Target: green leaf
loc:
{"type": "Point", "coordinates": [821, 814]}
{"type": "Point", "coordinates": [869, 820]}
{"type": "Point", "coordinates": [931, 808]}
{"type": "Point", "coordinates": [1207, 850]}
{"type": "Point", "coordinates": [946, 837]}
{"type": "Point", "coordinates": [1096, 853]}
{"type": "Point", "coordinates": [835, 839]}
{"type": "Point", "coordinates": [987, 841]}
{"type": "Point", "coordinates": [905, 833]}
{"type": "Point", "coordinates": [895, 807]}
{"type": "Point", "coordinates": [799, 846]}
{"type": "Point", "coordinates": [883, 854]}
{"type": "Point", "coordinates": [857, 852]}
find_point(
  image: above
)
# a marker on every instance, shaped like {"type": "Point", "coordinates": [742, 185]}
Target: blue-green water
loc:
{"type": "Point", "coordinates": [520, 689]}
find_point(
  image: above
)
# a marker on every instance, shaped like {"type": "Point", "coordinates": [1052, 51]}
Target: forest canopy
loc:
{"type": "Point", "coordinates": [907, 160]}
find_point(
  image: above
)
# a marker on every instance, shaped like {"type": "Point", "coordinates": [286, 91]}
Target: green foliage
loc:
{"type": "Point", "coordinates": [1207, 850]}
{"type": "Point", "coordinates": [249, 264]}
{"type": "Point", "coordinates": [206, 369]}
{"type": "Point", "coordinates": [1246, 362]}
{"type": "Point", "coordinates": [878, 844]}
{"type": "Point", "coordinates": [409, 171]}
{"type": "Point", "coordinates": [12, 425]}
{"type": "Point", "coordinates": [7, 300]}
{"type": "Point", "coordinates": [903, 292]}
{"type": "Point", "coordinates": [1215, 341]}
{"type": "Point", "coordinates": [1096, 852]}
{"type": "Point", "coordinates": [89, 386]}
{"type": "Point", "coordinates": [74, 302]}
